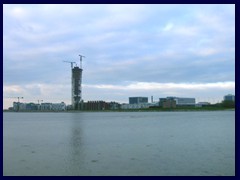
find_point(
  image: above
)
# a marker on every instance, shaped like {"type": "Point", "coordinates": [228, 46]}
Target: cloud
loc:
{"type": "Point", "coordinates": [212, 92]}
{"type": "Point", "coordinates": [122, 43]}
{"type": "Point", "coordinates": [165, 86]}
{"type": "Point", "coordinates": [38, 90]}
{"type": "Point", "coordinates": [18, 12]}
{"type": "Point", "coordinates": [168, 27]}
{"type": "Point", "coordinates": [13, 89]}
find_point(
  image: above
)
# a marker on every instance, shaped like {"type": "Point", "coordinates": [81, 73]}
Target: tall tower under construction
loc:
{"type": "Point", "coordinates": [76, 87]}
{"type": "Point", "coordinates": [76, 83]}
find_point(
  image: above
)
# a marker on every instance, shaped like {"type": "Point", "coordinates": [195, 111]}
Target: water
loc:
{"type": "Point", "coordinates": [119, 143]}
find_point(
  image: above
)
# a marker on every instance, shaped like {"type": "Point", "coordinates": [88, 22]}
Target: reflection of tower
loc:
{"type": "Point", "coordinates": [76, 86]}
{"type": "Point", "coordinates": [76, 148]}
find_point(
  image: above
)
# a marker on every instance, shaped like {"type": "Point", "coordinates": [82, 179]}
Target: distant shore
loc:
{"type": "Point", "coordinates": [138, 110]}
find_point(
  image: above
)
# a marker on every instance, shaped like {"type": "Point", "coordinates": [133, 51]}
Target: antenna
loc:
{"type": "Point", "coordinates": [81, 56]}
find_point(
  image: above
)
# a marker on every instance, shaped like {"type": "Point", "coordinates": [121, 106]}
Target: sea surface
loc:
{"type": "Point", "coordinates": [119, 144]}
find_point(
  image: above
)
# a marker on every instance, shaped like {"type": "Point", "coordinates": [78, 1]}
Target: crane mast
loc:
{"type": "Point", "coordinates": [72, 62]}
{"type": "Point", "coordinates": [81, 56]}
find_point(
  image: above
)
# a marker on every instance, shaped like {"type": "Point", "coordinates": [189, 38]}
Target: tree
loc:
{"type": "Point", "coordinates": [228, 104]}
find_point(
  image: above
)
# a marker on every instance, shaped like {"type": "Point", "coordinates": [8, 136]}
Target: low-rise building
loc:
{"type": "Point", "coordinates": [31, 107]}
{"type": "Point", "coordinates": [17, 106]}
{"type": "Point", "coordinates": [229, 97]}
{"type": "Point", "coordinates": [114, 105]}
{"type": "Point", "coordinates": [46, 106]}
{"type": "Point", "coordinates": [180, 101]}
{"type": "Point", "coordinates": [138, 106]}
{"type": "Point", "coordinates": [95, 105]}
{"type": "Point", "coordinates": [201, 104]}
{"type": "Point", "coordinates": [138, 100]}
{"type": "Point", "coordinates": [59, 106]}
{"type": "Point", "coordinates": [167, 103]}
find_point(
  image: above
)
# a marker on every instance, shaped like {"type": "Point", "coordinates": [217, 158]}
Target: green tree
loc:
{"type": "Point", "coordinates": [228, 104]}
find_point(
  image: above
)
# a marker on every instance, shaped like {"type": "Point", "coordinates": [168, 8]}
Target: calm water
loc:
{"type": "Point", "coordinates": [119, 143]}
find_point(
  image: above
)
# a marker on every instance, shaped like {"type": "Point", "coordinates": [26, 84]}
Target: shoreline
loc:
{"type": "Point", "coordinates": [130, 110]}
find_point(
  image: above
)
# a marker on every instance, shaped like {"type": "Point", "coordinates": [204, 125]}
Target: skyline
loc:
{"type": "Point", "coordinates": [131, 50]}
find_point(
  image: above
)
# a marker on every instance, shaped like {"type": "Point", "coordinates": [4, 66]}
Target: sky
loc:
{"type": "Point", "coordinates": [147, 50]}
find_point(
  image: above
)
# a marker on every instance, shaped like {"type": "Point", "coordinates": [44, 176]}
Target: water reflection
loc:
{"type": "Point", "coordinates": [76, 144]}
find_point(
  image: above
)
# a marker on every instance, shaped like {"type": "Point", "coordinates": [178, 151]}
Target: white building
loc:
{"type": "Point", "coordinates": [59, 106]}
{"type": "Point", "coordinates": [17, 106]}
{"type": "Point", "coordinates": [138, 106]}
{"type": "Point", "coordinates": [53, 106]}
{"type": "Point", "coordinates": [46, 106]}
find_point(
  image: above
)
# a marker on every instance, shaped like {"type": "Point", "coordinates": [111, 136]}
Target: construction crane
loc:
{"type": "Point", "coordinates": [81, 56]}
{"type": "Point", "coordinates": [71, 63]}
{"type": "Point", "coordinates": [39, 100]}
{"type": "Point", "coordinates": [18, 98]}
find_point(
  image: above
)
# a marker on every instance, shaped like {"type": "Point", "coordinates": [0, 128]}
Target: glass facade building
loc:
{"type": "Point", "coordinates": [138, 100]}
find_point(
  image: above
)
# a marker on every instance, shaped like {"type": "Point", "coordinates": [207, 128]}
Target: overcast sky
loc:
{"type": "Point", "coordinates": [131, 50]}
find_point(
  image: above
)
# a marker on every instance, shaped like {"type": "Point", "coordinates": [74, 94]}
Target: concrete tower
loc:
{"type": "Point", "coordinates": [76, 83]}
{"type": "Point", "coordinates": [76, 87]}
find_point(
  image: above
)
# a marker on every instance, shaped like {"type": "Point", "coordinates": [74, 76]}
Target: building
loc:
{"type": "Point", "coordinates": [114, 105]}
{"type": "Point", "coordinates": [69, 107]}
{"type": "Point", "coordinates": [46, 106]}
{"type": "Point", "coordinates": [229, 97]}
{"type": "Point", "coordinates": [96, 106]}
{"type": "Point", "coordinates": [31, 107]}
{"type": "Point", "coordinates": [201, 104]}
{"type": "Point", "coordinates": [167, 103]}
{"type": "Point", "coordinates": [59, 106]}
{"type": "Point", "coordinates": [183, 101]}
{"type": "Point", "coordinates": [138, 106]}
{"type": "Point", "coordinates": [17, 106]}
{"type": "Point", "coordinates": [76, 87]}
{"type": "Point", "coordinates": [138, 100]}
{"type": "Point", "coordinates": [228, 101]}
